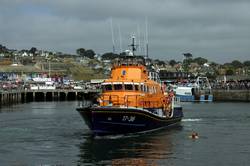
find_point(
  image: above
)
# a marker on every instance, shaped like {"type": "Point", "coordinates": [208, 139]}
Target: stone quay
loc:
{"type": "Point", "coordinates": [21, 96]}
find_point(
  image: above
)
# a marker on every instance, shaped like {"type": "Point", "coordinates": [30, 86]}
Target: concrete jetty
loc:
{"type": "Point", "coordinates": [17, 96]}
{"type": "Point", "coordinates": [232, 95]}
{"type": "Point", "coordinates": [21, 96]}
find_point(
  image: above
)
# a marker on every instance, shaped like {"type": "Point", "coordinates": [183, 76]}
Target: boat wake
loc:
{"type": "Point", "coordinates": [118, 136]}
{"type": "Point", "coordinates": [191, 120]}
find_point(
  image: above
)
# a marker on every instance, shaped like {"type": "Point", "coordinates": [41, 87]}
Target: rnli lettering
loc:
{"type": "Point", "coordinates": [128, 118]}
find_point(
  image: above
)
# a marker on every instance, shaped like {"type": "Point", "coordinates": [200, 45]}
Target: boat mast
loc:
{"type": "Point", "coordinates": [133, 45]}
{"type": "Point", "coordinates": [112, 34]}
{"type": "Point", "coordinates": [138, 37]}
{"type": "Point", "coordinates": [146, 36]}
{"type": "Point", "coordinates": [120, 38]}
{"type": "Point", "coordinates": [49, 69]}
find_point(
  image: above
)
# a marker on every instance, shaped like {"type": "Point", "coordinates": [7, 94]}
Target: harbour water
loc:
{"type": "Point", "coordinates": [53, 133]}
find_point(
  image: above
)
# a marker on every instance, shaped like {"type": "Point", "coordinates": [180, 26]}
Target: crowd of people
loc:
{"type": "Point", "coordinates": [215, 84]}
{"type": "Point", "coordinates": [231, 85]}
{"type": "Point", "coordinates": [15, 85]}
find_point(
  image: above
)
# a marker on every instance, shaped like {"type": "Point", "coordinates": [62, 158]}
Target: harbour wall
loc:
{"type": "Point", "coordinates": [22, 96]}
{"type": "Point", "coordinates": [232, 95]}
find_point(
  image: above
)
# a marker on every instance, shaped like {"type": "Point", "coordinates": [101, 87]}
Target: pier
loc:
{"type": "Point", "coordinates": [21, 96]}
{"type": "Point", "coordinates": [232, 95]}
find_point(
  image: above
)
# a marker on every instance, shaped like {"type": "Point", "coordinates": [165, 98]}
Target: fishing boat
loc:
{"type": "Point", "coordinates": [132, 100]}
{"type": "Point", "coordinates": [200, 90]}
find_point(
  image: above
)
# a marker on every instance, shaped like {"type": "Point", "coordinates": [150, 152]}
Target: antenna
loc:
{"type": "Point", "coordinates": [133, 45]}
{"type": "Point", "coordinates": [112, 34]}
{"type": "Point", "coordinates": [119, 28]}
{"type": "Point", "coordinates": [139, 41]}
{"type": "Point", "coordinates": [49, 69]}
{"type": "Point", "coordinates": [146, 35]}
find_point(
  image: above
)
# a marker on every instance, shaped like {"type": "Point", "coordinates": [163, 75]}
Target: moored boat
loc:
{"type": "Point", "coordinates": [132, 100]}
{"type": "Point", "coordinates": [199, 91]}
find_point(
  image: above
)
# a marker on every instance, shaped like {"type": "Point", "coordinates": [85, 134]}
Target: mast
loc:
{"type": "Point", "coordinates": [146, 36]}
{"type": "Point", "coordinates": [133, 45]}
{"type": "Point", "coordinates": [139, 34]}
{"type": "Point", "coordinates": [49, 69]}
{"type": "Point", "coordinates": [120, 38]}
{"type": "Point", "coordinates": [112, 34]}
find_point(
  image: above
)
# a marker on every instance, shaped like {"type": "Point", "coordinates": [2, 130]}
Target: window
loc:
{"type": "Point", "coordinates": [107, 87]}
{"type": "Point", "coordinates": [142, 88]}
{"type": "Point", "coordinates": [136, 87]}
{"type": "Point", "coordinates": [128, 87]}
{"type": "Point", "coordinates": [150, 89]}
{"type": "Point", "coordinates": [118, 86]}
{"type": "Point", "coordinates": [154, 89]}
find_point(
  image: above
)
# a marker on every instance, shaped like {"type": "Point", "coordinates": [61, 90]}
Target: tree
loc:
{"type": "Point", "coordinates": [89, 54]}
{"type": "Point", "coordinates": [3, 49]}
{"type": "Point", "coordinates": [27, 61]}
{"type": "Point", "coordinates": [33, 50]}
{"type": "Point", "coordinates": [227, 65]}
{"type": "Point", "coordinates": [123, 54]}
{"type": "Point", "coordinates": [229, 72]}
{"type": "Point", "coordinates": [246, 63]}
{"type": "Point", "coordinates": [213, 64]}
{"type": "Point", "coordinates": [80, 51]}
{"type": "Point", "coordinates": [186, 63]}
{"type": "Point", "coordinates": [210, 75]}
{"type": "Point", "coordinates": [172, 62]}
{"type": "Point", "coordinates": [237, 64]}
{"type": "Point", "coordinates": [159, 62]}
{"type": "Point", "coordinates": [109, 56]}
{"type": "Point", "coordinates": [187, 55]}
{"type": "Point", "coordinates": [200, 60]}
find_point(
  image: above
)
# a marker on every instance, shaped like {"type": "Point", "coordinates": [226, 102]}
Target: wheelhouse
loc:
{"type": "Point", "coordinates": [130, 87]}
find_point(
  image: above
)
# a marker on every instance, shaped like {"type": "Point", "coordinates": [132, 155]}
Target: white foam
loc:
{"type": "Point", "coordinates": [191, 120]}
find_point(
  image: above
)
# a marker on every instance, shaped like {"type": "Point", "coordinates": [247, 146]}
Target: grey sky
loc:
{"type": "Point", "coordinates": [218, 30]}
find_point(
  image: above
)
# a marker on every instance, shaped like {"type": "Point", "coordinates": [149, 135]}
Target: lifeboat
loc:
{"type": "Point", "coordinates": [132, 100]}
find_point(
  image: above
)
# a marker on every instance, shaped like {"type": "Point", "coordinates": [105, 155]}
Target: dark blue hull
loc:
{"type": "Point", "coordinates": [110, 120]}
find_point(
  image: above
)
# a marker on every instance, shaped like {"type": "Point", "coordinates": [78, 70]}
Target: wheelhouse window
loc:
{"type": "Point", "coordinates": [150, 89]}
{"type": "Point", "coordinates": [128, 87]}
{"type": "Point", "coordinates": [117, 86]}
{"type": "Point", "coordinates": [107, 87]}
{"type": "Point", "coordinates": [154, 89]}
{"type": "Point", "coordinates": [142, 87]}
{"type": "Point", "coordinates": [136, 87]}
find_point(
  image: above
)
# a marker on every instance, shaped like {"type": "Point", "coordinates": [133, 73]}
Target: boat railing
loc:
{"type": "Point", "coordinates": [133, 100]}
{"type": "Point", "coordinates": [175, 101]}
{"type": "Point", "coordinates": [151, 104]}
{"type": "Point", "coordinates": [110, 100]}
{"type": "Point", "coordinates": [84, 103]}
{"type": "Point", "coordinates": [128, 61]}
{"type": "Point", "coordinates": [129, 101]}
